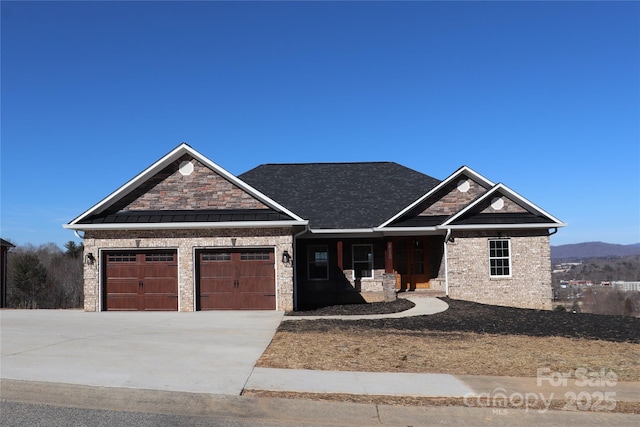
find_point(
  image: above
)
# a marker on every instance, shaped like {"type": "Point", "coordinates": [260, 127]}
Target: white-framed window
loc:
{"type": "Point", "coordinates": [362, 256]}
{"type": "Point", "coordinates": [318, 262]}
{"type": "Point", "coordinates": [500, 258]}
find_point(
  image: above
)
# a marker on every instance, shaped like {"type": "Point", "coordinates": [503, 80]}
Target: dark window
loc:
{"type": "Point", "coordinates": [159, 257]}
{"type": "Point", "coordinates": [499, 258]}
{"type": "Point", "coordinates": [318, 262]}
{"type": "Point", "coordinates": [121, 257]}
{"type": "Point", "coordinates": [255, 256]}
{"type": "Point", "coordinates": [216, 256]}
{"type": "Point", "coordinates": [362, 261]}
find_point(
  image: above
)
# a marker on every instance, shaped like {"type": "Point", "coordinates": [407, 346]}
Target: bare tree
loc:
{"type": "Point", "coordinates": [45, 277]}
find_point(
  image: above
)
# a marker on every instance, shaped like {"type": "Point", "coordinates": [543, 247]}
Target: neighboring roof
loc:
{"type": "Point", "coordinates": [341, 195]}
{"type": "Point", "coordinates": [98, 216]}
{"type": "Point", "coordinates": [6, 244]}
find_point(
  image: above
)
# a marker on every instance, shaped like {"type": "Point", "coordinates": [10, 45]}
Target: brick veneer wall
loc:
{"type": "Point", "coordinates": [530, 283]}
{"type": "Point", "coordinates": [186, 242]}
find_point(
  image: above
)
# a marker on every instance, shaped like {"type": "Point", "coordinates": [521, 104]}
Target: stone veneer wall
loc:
{"type": "Point", "coordinates": [202, 189]}
{"type": "Point", "coordinates": [454, 200]}
{"type": "Point", "coordinates": [186, 241]}
{"type": "Point", "coordinates": [530, 283]}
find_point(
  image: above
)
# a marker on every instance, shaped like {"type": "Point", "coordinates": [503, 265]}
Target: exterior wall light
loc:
{"type": "Point", "coordinates": [90, 258]}
{"type": "Point", "coordinates": [286, 258]}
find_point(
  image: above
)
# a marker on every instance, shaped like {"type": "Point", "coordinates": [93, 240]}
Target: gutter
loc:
{"type": "Point", "coordinates": [502, 226]}
{"type": "Point", "coordinates": [446, 263]}
{"type": "Point", "coordinates": [183, 225]}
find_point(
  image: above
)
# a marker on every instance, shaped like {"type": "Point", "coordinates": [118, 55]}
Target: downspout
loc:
{"type": "Point", "coordinates": [293, 266]}
{"type": "Point", "coordinates": [446, 262]}
{"type": "Point", "coordinates": [78, 235]}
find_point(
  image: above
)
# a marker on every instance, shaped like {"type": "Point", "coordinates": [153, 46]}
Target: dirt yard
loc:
{"type": "Point", "coordinates": [467, 339]}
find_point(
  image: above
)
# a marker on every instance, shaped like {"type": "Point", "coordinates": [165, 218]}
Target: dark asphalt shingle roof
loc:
{"type": "Point", "coordinates": [341, 195]}
{"type": "Point", "coordinates": [142, 217]}
{"type": "Point", "coordinates": [419, 221]}
{"type": "Point", "coordinates": [502, 219]}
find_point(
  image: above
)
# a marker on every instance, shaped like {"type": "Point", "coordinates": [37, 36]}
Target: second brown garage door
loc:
{"type": "Point", "coordinates": [236, 280]}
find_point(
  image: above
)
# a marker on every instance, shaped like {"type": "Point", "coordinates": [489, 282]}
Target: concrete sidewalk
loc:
{"type": "Point", "coordinates": [436, 385]}
{"type": "Point", "coordinates": [423, 306]}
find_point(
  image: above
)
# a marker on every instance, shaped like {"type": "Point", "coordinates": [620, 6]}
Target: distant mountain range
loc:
{"type": "Point", "coordinates": [593, 250]}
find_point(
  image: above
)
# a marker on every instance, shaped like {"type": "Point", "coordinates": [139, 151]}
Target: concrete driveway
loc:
{"type": "Point", "coordinates": [202, 352]}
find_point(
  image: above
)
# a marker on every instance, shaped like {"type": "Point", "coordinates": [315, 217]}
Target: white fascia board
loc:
{"type": "Point", "coordinates": [343, 234]}
{"type": "Point", "coordinates": [503, 226]}
{"type": "Point", "coordinates": [184, 225]}
{"type": "Point", "coordinates": [531, 205]}
{"type": "Point", "coordinates": [410, 231]}
{"type": "Point", "coordinates": [375, 232]}
{"type": "Point", "coordinates": [462, 170]}
{"type": "Point", "coordinates": [512, 195]}
{"type": "Point", "coordinates": [176, 153]}
{"type": "Point", "coordinates": [340, 230]}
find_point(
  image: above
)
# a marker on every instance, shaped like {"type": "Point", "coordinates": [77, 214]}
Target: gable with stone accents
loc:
{"type": "Point", "coordinates": [187, 235]}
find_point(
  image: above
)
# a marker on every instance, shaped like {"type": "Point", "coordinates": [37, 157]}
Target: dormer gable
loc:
{"type": "Point", "coordinates": [447, 198]}
{"type": "Point", "coordinates": [501, 207]}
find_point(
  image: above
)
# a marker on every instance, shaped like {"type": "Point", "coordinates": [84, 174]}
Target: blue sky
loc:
{"type": "Point", "coordinates": [542, 96]}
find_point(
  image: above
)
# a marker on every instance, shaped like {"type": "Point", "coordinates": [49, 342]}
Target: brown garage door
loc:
{"type": "Point", "coordinates": [236, 280]}
{"type": "Point", "coordinates": [141, 280]}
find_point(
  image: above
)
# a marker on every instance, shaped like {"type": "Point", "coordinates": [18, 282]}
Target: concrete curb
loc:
{"type": "Point", "coordinates": [269, 411]}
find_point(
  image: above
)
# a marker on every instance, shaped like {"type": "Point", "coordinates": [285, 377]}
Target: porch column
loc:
{"type": "Point", "coordinates": [340, 255]}
{"type": "Point", "coordinates": [388, 257]}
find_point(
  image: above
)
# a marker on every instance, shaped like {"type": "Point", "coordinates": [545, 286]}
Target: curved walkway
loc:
{"type": "Point", "coordinates": [423, 306]}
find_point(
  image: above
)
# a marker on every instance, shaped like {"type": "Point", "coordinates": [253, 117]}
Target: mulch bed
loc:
{"type": "Point", "coordinates": [465, 316]}
{"type": "Point", "coordinates": [396, 306]}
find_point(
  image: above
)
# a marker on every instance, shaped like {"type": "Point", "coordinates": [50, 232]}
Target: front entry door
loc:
{"type": "Point", "coordinates": [410, 262]}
